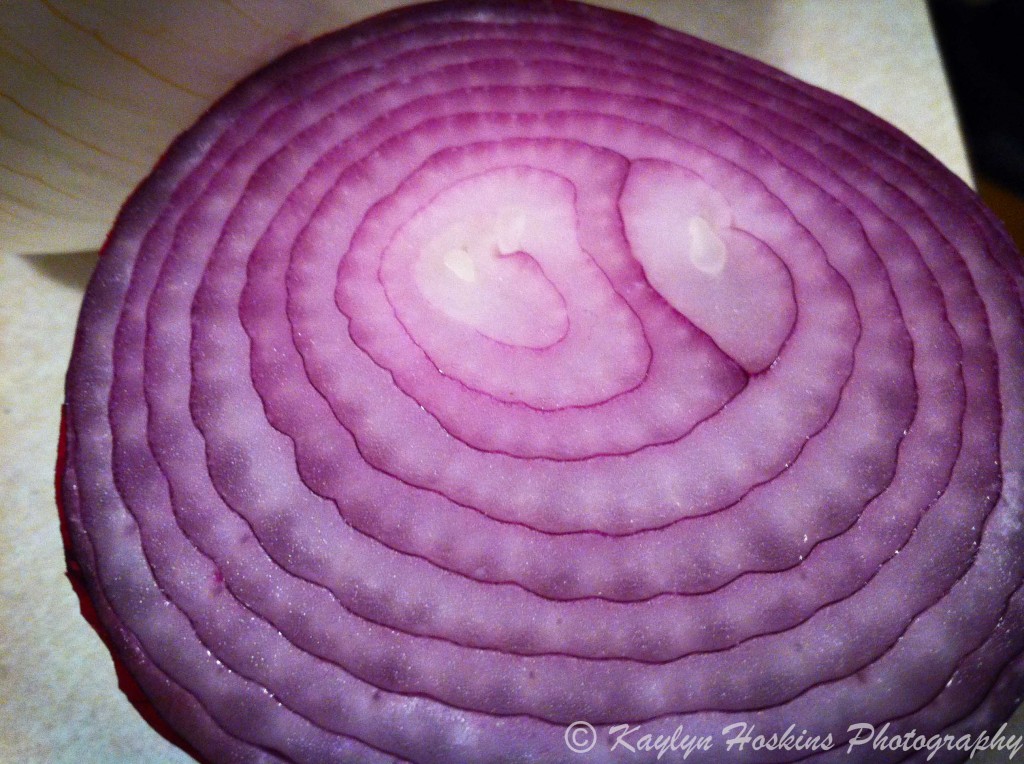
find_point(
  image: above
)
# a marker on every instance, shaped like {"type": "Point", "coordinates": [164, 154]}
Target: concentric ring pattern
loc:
{"type": "Point", "coordinates": [482, 368]}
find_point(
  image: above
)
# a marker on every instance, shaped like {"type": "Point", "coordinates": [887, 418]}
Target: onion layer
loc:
{"type": "Point", "coordinates": [479, 369]}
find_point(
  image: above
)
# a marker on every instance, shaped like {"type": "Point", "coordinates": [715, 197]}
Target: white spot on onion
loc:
{"type": "Point", "coordinates": [707, 251]}
{"type": "Point", "coordinates": [460, 262]}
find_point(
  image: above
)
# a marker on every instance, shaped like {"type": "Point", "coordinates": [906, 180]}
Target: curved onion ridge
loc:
{"type": "Point", "coordinates": [479, 369]}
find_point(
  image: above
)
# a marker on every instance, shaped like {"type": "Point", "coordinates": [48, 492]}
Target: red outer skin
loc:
{"type": "Point", "coordinates": [126, 682]}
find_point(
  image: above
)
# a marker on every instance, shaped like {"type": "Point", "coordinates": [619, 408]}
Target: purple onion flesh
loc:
{"type": "Point", "coordinates": [483, 368]}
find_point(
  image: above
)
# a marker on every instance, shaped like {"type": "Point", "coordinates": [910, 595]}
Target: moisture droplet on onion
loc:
{"type": "Point", "coordinates": [482, 368]}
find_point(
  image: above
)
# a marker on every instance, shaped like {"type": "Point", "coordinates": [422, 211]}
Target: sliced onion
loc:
{"type": "Point", "coordinates": [480, 369]}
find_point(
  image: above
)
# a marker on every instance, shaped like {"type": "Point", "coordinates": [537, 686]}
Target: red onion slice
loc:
{"type": "Point", "coordinates": [480, 369]}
